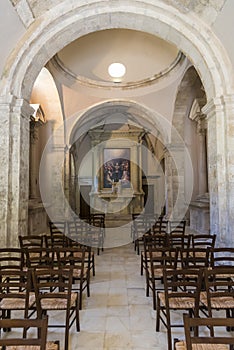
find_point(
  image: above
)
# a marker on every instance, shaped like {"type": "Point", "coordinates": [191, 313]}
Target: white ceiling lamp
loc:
{"type": "Point", "coordinates": [117, 70]}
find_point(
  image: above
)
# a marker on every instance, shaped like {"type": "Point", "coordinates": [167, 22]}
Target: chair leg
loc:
{"type": "Point", "coordinates": [66, 341]}
{"type": "Point", "coordinates": [141, 265]}
{"type": "Point", "coordinates": [169, 338]}
{"type": "Point", "coordinates": [158, 314]}
{"type": "Point", "coordinates": [93, 265]}
{"type": "Point", "coordinates": [80, 298]}
{"type": "Point", "coordinates": [154, 296]}
{"type": "Point", "coordinates": [147, 284]}
{"type": "Point", "coordinates": [88, 287]}
{"type": "Point", "coordinates": [77, 320]}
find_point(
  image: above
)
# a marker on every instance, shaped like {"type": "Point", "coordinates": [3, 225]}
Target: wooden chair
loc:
{"type": "Point", "coordinates": [76, 230]}
{"type": "Point", "coordinates": [40, 257]}
{"type": "Point", "coordinates": [159, 259]}
{"type": "Point", "coordinates": [12, 258]}
{"type": "Point", "coordinates": [94, 237]}
{"type": "Point", "coordinates": [204, 241]}
{"type": "Point", "coordinates": [155, 240]}
{"type": "Point", "coordinates": [15, 292]}
{"type": "Point", "coordinates": [140, 229]}
{"type": "Point", "coordinates": [13, 340]}
{"type": "Point", "coordinates": [195, 258]}
{"type": "Point", "coordinates": [53, 292]}
{"type": "Point", "coordinates": [219, 291]}
{"type": "Point", "coordinates": [181, 292]}
{"type": "Point", "coordinates": [58, 227]}
{"type": "Point", "coordinates": [222, 256]}
{"type": "Point", "coordinates": [177, 227]}
{"type": "Point", "coordinates": [58, 234]}
{"type": "Point", "coordinates": [134, 217]}
{"type": "Point", "coordinates": [75, 257]}
{"type": "Point", "coordinates": [163, 226]}
{"type": "Point", "coordinates": [220, 341]}
{"type": "Point", "coordinates": [97, 220]}
{"type": "Point", "coordinates": [76, 235]}
{"type": "Point", "coordinates": [31, 241]}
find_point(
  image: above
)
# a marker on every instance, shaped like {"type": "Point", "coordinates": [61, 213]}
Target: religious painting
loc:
{"type": "Point", "coordinates": [116, 167]}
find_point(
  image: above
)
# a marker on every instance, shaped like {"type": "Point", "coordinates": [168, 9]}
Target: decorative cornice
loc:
{"type": "Point", "coordinates": [218, 105]}
{"type": "Point", "coordinates": [198, 116]}
{"type": "Point", "coordinates": [58, 64]}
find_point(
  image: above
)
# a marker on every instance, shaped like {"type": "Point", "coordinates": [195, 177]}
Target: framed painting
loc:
{"type": "Point", "coordinates": [116, 167]}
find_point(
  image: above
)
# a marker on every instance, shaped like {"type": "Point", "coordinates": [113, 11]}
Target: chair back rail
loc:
{"type": "Point", "coordinates": [221, 323]}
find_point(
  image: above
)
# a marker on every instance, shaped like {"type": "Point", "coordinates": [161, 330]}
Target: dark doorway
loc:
{"type": "Point", "coordinates": [85, 201]}
{"type": "Point", "coordinates": [148, 198]}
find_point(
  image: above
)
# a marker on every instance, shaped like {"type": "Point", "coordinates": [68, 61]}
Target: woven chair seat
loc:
{"type": "Point", "coordinates": [157, 272]}
{"type": "Point", "coordinates": [57, 304]}
{"type": "Point", "coordinates": [154, 255]}
{"type": "Point", "coordinates": [181, 345]}
{"type": "Point", "coordinates": [218, 302]}
{"type": "Point", "coordinates": [177, 302]}
{"type": "Point", "coordinates": [77, 272]}
{"type": "Point", "coordinates": [49, 346]}
{"type": "Point", "coordinates": [222, 303]}
{"type": "Point", "coordinates": [16, 303]}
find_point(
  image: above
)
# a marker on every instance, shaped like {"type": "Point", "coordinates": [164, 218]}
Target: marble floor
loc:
{"type": "Point", "coordinates": [117, 315]}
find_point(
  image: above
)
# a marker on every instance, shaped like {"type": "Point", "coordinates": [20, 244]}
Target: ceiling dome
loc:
{"type": "Point", "coordinates": [142, 56]}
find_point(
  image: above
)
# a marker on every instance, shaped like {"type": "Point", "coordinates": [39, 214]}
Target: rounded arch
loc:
{"type": "Point", "coordinates": [69, 21]}
{"type": "Point", "coordinates": [184, 100]}
{"type": "Point", "coordinates": [120, 111]}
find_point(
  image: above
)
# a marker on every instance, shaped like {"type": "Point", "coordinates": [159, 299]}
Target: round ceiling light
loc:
{"type": "Point", "coordinates": [116, 70]}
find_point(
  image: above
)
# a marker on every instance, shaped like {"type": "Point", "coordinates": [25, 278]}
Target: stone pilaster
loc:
{"type": "Point", "coordinates": [14, 161]}
{"type": "Point", "coordinates": [199, 117]}
{"type": "Point", "coordinates": [220, 117]}
{"type": "Point", "coordinates": [175, 157]}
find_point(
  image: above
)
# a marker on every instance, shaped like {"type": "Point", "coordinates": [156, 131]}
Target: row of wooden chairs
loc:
{"type": "Point", "coordinates": [89, 233]}
{"type": "Point", "coordinates": [144, 225]}
{"type": "Point", "coordinates": [157, 258]}
{"type": "Point", "coordinates": [57, 241]}
{"type": "Point", "coordinates": [27, 276]}
{"type": "Point", "coordinates": [196, 291]}
{"type": "Point", "coordinates": [40, 290]}
{"type": "Point", "coordinates": [172, 241]}
{"type": "Point", "coordinates": [60, 258]}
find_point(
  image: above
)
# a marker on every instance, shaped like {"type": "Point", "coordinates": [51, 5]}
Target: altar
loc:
{"type": "Point", "coordinates": [117, 172]}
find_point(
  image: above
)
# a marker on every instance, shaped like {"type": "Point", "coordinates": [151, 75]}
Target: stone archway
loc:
{"type": "Point", "coordinates": [67, 22]}
{"type": "Point", "coordinates": [141, 121]}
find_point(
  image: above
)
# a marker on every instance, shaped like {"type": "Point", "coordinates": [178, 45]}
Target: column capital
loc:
{"type": "Point", "coordinates": [11, 104]}
{"type": "Point", "coordinates": [219, 105]}
{"type": "Point", "coordinates": [22, 107]}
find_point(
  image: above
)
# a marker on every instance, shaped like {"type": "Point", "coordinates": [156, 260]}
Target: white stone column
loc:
{"type": "Point", "coordinates": [220, 117]}
{"type": "Point", "coordinates": [14, 169]}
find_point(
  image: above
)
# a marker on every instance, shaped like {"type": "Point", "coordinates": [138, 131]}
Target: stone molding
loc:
{"type": "Point", "coordinates": [198, 116]}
